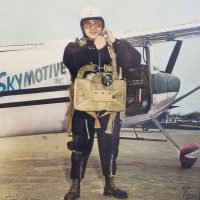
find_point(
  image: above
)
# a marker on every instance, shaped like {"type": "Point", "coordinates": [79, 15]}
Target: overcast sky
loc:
{"type": "Point", "coordinates": [28, 21]}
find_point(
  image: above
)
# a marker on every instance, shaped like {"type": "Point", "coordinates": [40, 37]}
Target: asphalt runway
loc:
{"type": "Point", "coordinates": [37, 168]}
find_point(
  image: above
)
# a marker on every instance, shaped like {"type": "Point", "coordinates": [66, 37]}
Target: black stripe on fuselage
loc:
{"type": "Point", "coordinates": [33, 91]}
{"type": "Point", "coordinates": [35, 102]}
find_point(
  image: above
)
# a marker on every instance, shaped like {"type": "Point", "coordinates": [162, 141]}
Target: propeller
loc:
{"type": "Point", "coordinates": [173, 57]}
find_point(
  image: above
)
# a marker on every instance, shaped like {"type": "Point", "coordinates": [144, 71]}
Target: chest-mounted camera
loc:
{"type": "Point", "coordinates": [107, 79]}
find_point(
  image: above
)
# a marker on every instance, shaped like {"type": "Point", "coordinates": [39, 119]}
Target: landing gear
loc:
{"type": "Point", "coordinates": [188, 155]}
{"type": "Point", "coordinates": [189, 152]}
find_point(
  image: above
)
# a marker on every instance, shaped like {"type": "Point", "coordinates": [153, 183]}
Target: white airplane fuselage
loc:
{"type": "Point", "coordinates": [34, 91]}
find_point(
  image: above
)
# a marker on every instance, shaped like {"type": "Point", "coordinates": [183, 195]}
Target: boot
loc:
{"type": "Point", "coordinates": [112, 190]}
{"type": "Point", "coordinates": [74, 191]}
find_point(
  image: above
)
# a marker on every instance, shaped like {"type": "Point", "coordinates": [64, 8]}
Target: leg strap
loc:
{"type": "Point", "coordinates": [110, 121]}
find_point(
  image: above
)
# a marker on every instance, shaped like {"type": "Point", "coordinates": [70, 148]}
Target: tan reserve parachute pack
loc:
{"type": "Point", "coordinates": [102, 91]}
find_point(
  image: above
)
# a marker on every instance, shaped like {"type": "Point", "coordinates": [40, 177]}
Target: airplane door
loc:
{"type": "Point", "coordinates": [138, 95]}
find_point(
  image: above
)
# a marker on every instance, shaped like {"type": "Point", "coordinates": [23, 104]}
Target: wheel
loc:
{"type": "Point", "coordinates": [189, 155]}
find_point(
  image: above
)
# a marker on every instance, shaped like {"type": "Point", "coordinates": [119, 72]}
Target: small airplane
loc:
{"type": "Point", "coordinates": [34, 85]}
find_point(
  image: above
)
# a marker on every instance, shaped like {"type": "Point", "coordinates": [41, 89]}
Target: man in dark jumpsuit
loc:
{"type": "Point", "coordinates": [92, 48]}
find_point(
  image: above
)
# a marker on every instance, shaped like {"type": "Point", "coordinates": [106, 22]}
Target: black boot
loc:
{"type": "Point", "coordinates": [112, 190]}
{"type": "Point", "coordinates": [74, 191]}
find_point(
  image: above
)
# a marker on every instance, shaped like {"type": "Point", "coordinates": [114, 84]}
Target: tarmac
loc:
{"type": "Point", "coordinates": [37, 168]}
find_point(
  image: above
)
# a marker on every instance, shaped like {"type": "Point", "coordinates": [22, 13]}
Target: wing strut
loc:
{"type": "Point", "coordinates": [175, 101]}
{"type": "Point", "coordinates": [156, 122]}
{"type": "Point", "coordinates": [172, 60]}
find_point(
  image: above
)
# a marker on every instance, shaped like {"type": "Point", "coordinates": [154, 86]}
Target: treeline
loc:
{"type": "Point", "coordinates": [188, 116]}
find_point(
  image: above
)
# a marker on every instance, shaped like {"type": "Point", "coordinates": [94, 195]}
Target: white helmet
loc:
{"type": "Point", "coordinates": [91, 12]}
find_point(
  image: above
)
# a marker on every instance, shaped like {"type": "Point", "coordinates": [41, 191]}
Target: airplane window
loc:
{"type": "Point", "coordinates": [162, 52]}
{"type": "Point", "coordinates": [143, 53]}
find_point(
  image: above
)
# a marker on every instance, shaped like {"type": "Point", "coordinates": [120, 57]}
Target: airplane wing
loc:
{"type": "Point", "coordinates": [168, 33]}
{"type": "Point", "coordinates": [18, 47]}
{"type": "Point", "coordinates": [138, 38]}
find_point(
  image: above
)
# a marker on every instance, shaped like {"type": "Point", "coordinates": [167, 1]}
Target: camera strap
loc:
{"type": "Point", "coordinates": [113, 58]}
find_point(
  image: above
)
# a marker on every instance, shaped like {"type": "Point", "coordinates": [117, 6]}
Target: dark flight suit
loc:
{"type": "Point", "coordinates": [75, 57]}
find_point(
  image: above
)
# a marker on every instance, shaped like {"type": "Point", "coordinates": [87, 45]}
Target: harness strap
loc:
{"type": "Point", "coordinates": [97, 123]}
{"type": "Point", "coordinates": [85, 68]}
{"type": "Point", "coordinates": [70, 111]}
{"type": "Point", "coordinates": [80, 74]}
{"type": "Point", "coordinates": [92, 68]}
{"type": "Point", "coordinates": [110, 121]}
